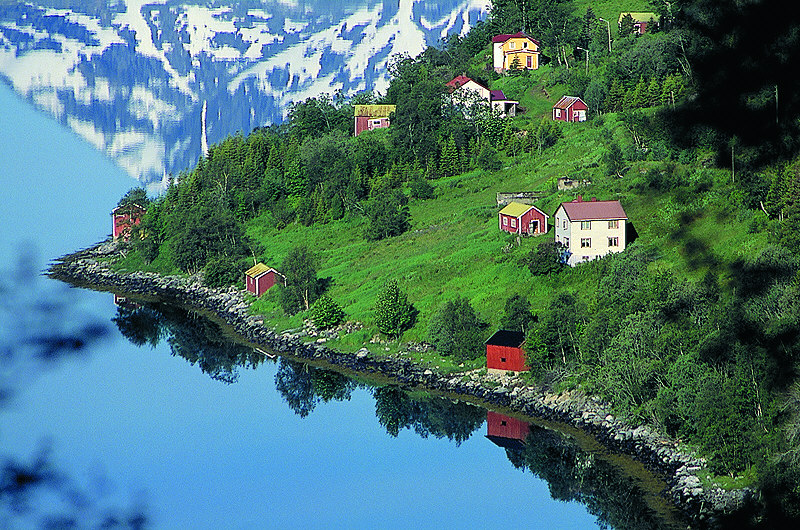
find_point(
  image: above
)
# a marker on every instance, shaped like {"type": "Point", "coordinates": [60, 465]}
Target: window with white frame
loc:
{"type": "Point", "coordinates": [586, 242]}
{"type": "Point", "coordinates": [613, 224]}
{"type": "Point", "coordinates": [505, 221]}
{"type": "Point", "coordinates": [513, 223]}
{"type": "Point", "coordinates": [613, 241]}
{"type": "Point", "coordinates": [586, 225]}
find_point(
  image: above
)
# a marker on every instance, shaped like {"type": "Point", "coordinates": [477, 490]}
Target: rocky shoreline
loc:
{"type": "Point", "coordinates": [656, 451]}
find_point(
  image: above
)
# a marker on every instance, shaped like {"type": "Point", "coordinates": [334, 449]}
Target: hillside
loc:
{"type": "Point", "coordinates": [693, 328]}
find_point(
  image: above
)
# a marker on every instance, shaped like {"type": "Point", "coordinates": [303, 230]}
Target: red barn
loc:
{"type": "Point", "coordinates": [259, 278]}
{"type": "Point", "coordinates": [124, 218]}
{"type": "Point", "coordinates": [570, 108]}
{"type": "Point", "coordinates": [506, 431]}
{"type": "Point", "coordinates": [523, 219]}
{"type": "Point", "coordinates": [504, 352]}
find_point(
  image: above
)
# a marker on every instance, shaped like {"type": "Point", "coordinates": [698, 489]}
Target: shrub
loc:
{"type": "Point", "coordinates": [326, 313]}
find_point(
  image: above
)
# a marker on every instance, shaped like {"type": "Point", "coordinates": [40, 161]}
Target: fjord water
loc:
{"type": "Point", "coordinates": [95, 430]}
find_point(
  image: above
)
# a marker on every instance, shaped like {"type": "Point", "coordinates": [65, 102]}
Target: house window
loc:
{"type": "Point", "coordinates": [525, 45]}
{"type": "Point", "coordinates": [502, 359]}
{"type": "Point", "coordinates": [613, 224]}
{"type": "Point", "coordinates": [558, 113]}
{"type": "Point", "coordinates": [565, 224]}
{"type": "Point", "coordinates": [586, 225]}
{"type": "Point", "coordinates": [566, 241]}
{"type": "Point", "coordinates": [512, 45]}
{"type": "Point", "coordinates": [586, 242]}
{"type": "Point", "coordinates": [513, 223]}
{"type": "Point", "coordinates": [613, 241]}
{"type": "Point", "coordinates": [505, 221]}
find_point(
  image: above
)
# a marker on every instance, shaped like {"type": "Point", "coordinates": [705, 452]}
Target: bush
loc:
{"type": "Point", "coordinates": [326, 313]}
{"type": "Point", "coordinates": [222, 272]}
{"type": "Point", "coordinates": [547, 258]}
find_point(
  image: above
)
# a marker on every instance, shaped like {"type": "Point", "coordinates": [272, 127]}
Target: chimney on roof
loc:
{"type": "Point", "coordinates": [579, 199]}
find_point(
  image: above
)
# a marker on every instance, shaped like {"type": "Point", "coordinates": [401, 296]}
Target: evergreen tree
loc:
{"type": "Point", "coordinates": [449, 161]}
{"type": "Point", "coordinates": [457, 331]}
{"type": "Point", "coordinates": [393, 312]}
{"type": "Point", "coordinates": [326, 313]}
{"type": "Point", "coordinates": [517, 315]}
{"type": "Point", "coordinates": [653, 93]}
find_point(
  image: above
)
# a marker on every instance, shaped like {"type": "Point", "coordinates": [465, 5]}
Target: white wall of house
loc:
{"type": "Point", "coordinates": [588, 240]}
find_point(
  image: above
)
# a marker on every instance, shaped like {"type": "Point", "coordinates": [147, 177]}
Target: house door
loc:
{"type": "Point", "coordinates": [529, 61]}
{"type": "Point", "coordinates": [533, 227]}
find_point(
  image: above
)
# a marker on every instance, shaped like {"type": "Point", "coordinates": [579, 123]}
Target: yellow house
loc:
{"type": "Point", "coordinates": [519, 47]}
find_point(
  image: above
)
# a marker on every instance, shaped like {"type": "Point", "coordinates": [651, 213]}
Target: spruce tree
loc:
{"type": "Point", "coordinates": [393, 312]}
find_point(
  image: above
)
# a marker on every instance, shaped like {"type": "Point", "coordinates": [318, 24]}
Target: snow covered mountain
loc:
{"type": "Point", "coordinates": [133, 76]}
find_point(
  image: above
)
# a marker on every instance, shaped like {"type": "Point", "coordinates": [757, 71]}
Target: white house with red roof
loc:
{"type": "Point", "coordinates": [590, 229]}
{"type": "Point", "coordinates": [498, 101]}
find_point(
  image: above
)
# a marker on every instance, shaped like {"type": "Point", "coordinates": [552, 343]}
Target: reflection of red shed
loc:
{"type": "Point", "coordinates": [523, 219]}
{"type": "Point", "coordinates": [504, 352]}
{"type": "Point", "coordinates": [570, 108]}
{"type": "Point", "coordinates": [506, 431]}
{"type": "Point", "coordinates": [124, 218]}
{"type": "Point", "coordinates": [259, 278]}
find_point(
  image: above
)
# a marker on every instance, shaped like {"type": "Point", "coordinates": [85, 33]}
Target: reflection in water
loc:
{"type": "Point", "coordinates": [574, 474]}
{"type": "Point", "coordinates": [196, 339]}
{"type": "Point", "coordinates": [42, 326]}
{"type": "Point", "coordinates": [615, 498]}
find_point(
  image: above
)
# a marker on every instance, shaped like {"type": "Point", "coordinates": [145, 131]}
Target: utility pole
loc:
{"type": "Point", "coordinates": [587, 58]}
{"type": "Point", "coordinates": [608, 26]}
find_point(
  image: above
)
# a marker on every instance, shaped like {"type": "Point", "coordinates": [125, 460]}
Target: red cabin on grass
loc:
{"type": "Point", "coordinates": [124, 218]}
{"type": "Point", "coordinates": [259, 278]}
{"type": "Point", "coordinates": [570, 108]}
{"type": "Point", "coordinates": [506, 431]}
{"type": "Point", "coordinates": [504, 352]}
{"type": "Point", "coordinates": [523, 219]}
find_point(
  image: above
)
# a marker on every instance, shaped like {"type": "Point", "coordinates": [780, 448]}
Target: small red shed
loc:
{"type": "Point", "coordinates": [259, 278]}
{"type": "Point", "coordinates": [570, 109]}
{"type": "Point", "coordinates": [506, 431]}
{"type": "Point", "coordinates": [523, 219]}
{"type": "Point", "coordinates": [124, 218]}
{"type": "Point", "coordinates": [504, 352]}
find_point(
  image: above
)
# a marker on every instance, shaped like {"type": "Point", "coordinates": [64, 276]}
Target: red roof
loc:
{"type": "Point", "coordinates": [579, 210]}
{"type": "Point", "coordinates": [519, 35]}
{"type": "Point", "coordinates": [497, 95]}
{"type": "Point", "coordinates": [458, 82]}
{"type": "Point", "coordinates": [567, 101]}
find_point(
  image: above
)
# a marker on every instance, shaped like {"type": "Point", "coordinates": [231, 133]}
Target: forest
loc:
{"type": "Point", "coordinates": [695, 328]}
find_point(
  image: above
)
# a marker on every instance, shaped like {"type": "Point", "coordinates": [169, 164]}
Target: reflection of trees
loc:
{"type": "Point", "coordinates": [431, 416]}
{"type": "Point", "coordinates": [574, 475]}
{"type": "Point", "coordinates": [196, 339]}
{"type": "Point", "coordinates": [303, 386]}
